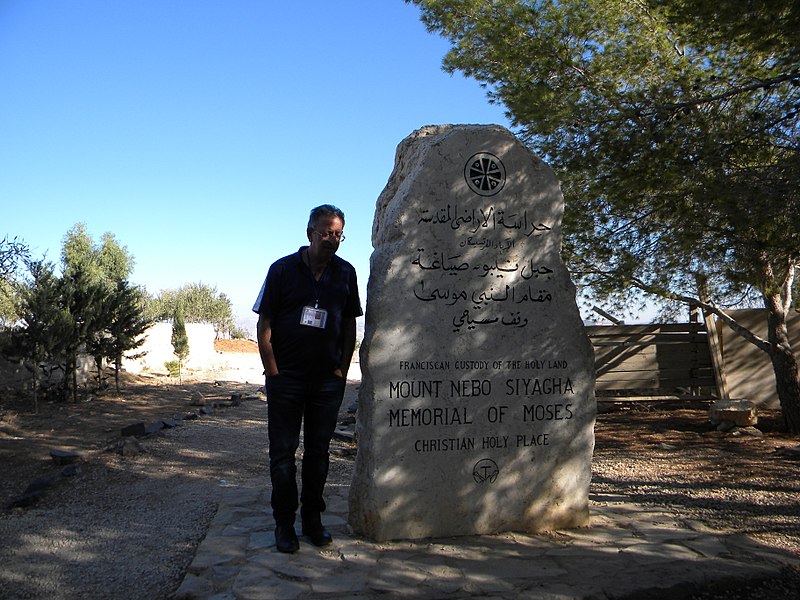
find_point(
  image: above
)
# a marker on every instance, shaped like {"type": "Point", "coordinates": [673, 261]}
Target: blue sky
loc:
{"type": "Point", "coordinates": [201, 132]}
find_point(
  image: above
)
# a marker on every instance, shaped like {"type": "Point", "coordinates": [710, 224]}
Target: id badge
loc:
{"type": "Point", "coordinates": [314, 317]}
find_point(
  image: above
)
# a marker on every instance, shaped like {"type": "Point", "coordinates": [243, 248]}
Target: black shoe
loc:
{"type": "Point", "coordinates": [316, 532]}
{"type": "Point", "coordinates": [286, 539]}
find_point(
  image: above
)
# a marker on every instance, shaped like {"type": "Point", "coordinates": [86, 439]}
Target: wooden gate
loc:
{"type": "Point", "coordinates": [669, 359]}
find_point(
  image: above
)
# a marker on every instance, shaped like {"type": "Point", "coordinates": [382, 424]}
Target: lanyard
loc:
{"type": "Point", "coordinates": [314, 282]}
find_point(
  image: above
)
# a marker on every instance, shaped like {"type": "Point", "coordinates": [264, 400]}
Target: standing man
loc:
{"type": "Point", "coordinates": [307, 313]}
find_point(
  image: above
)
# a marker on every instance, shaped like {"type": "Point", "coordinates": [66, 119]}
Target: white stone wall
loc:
{"type": "Point", "coordinates": [159, 350]}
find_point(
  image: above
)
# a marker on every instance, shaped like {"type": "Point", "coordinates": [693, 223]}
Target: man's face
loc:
{"type": "Point", "coordinates": [325, 236]}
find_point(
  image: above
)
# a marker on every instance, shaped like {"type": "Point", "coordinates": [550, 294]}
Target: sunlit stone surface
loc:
{"type": "Point", "coordinates": [476, 409]}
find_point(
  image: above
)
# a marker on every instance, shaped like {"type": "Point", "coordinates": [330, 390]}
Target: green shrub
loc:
{"type": "Point", "coordinates": [174, 368]}
{"type": "Point", "coordinates": [238, 333]}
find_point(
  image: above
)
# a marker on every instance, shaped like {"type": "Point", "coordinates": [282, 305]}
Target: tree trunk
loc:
{"type": "Point", "coordinates": [71, 377]}
{"type": "Point", "coordinates": [35, 384]}
{"type": "Point", "coordinates": [784, 362]}
{"type": "Point", "coordinates": [75, 382]}
{"type": "Point", "coordinates": [101, 376]}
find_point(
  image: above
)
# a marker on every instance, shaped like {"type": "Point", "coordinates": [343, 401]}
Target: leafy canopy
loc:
{"type": "Point", "coordinates": [199, 303]}
{"type": "Point", "coordinates": [90, 307]}
{"type": "Point", "coordinates": [106, 261]}
{"type": "Point", "coordinates": [13, 255]}
{"type": "Point", "coordinates": [673, 126]}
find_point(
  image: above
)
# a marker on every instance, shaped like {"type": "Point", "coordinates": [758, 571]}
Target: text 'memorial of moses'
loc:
{"type": "Point", "coordinates": [476, 407]}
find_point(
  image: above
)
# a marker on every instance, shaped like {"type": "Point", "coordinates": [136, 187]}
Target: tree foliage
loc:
{"type": "Point", "coordinates": [9, 303]}
{"type": "Point", "coordinates": [179, 339]}
{"type": "Point", "coordinates": [199, 302]}
{"type": "Point", "coordinates": [127, 325]}
{"type": "Point", "coordinates": [673, 125]}
{"type": "Point", "coordinates": [89, 308]}
{"type": "Point", "coordinates": [91, 273]}
{"type": "Point", "coordinates": [47, 324]}
{"type": "Point", "coordinates": [107, 261]}
{"type": "Point", "coordinates": [13, 255]}
{"type": "Point", "coordinates": [86, 306]}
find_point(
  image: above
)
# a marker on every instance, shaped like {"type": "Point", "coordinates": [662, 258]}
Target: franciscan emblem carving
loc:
{"type": "Point", "coordinates": [485, 471]}
{"type": "Point", "coordinates": [485, 174]}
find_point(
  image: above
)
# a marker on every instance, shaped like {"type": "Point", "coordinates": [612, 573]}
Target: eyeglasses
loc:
{"type": "Point", "coordinates": [338, 235]}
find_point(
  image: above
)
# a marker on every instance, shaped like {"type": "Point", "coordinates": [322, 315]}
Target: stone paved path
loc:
{"type": "Point", "coordinates": [628, 550]}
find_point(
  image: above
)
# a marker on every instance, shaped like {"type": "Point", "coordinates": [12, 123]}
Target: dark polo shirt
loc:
{"type": "Point", "coordinates": [301, 350]}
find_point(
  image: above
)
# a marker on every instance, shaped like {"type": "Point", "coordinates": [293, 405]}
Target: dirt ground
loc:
{"type": "Point", "coordinates": [654, 453]}
{"type": "Point", "coordinates": [94, 423]}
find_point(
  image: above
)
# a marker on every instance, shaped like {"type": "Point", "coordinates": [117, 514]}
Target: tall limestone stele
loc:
{"type": "Point", "coordinates": [476, 408]}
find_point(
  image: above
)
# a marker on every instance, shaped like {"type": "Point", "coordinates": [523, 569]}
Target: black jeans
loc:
{"type": "Point", "coordinates": [315, 404]}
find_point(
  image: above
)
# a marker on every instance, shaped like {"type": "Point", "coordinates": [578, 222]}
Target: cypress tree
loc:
{"type": "Point", "coordinates": [180, 341]}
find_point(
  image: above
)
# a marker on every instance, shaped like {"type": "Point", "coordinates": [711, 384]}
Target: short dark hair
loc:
{"type": "Point", "coordinates": [326, 210]}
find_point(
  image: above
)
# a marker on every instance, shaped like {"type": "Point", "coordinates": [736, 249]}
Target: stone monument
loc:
{"type": "Point", "coordinates": [476, 407]}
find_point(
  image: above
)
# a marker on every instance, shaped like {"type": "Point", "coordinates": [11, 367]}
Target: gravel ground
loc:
{"type": "Point", "coordinates": [738, 481]}
{"type": "Point", "coordinates": [127, 527]}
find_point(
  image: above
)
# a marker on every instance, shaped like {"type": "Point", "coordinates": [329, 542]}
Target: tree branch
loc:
{"type": "Point", "coordinates": [765, 83]}
{"type": "Point", "coordinates": [709, 306]}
